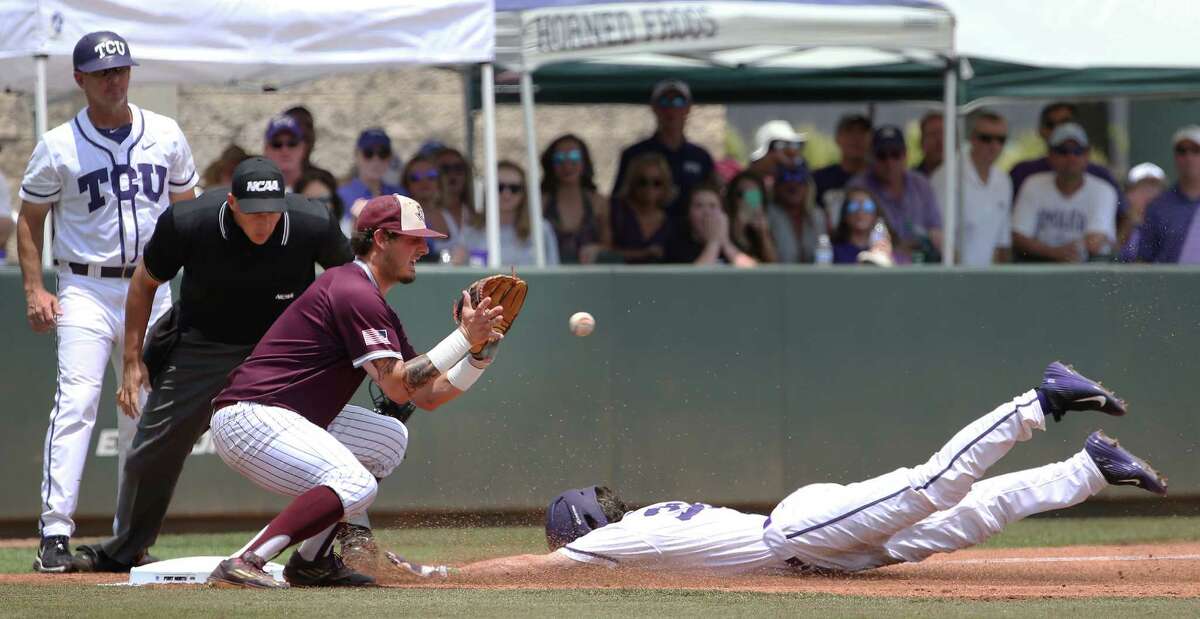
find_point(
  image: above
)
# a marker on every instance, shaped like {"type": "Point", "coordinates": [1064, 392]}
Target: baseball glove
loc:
{"type": "Point", "coordinates": [507, 291]}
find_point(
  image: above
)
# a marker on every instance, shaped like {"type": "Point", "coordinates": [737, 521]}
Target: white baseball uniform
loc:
{"type": "Point", "coordinates": [906, 515]}
{"type": "Point", "coordinates": [106, 199]}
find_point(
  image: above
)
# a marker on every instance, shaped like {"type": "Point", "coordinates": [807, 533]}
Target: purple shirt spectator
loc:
{"type": "Point", "coordinates": [358, 190]}
{"type": "Point", "coordinates": [846, 253]}
{"type": "Point", "coordinates": [1169, 233]}
{"type": "Point", "coordinates": [1025, 169]}
{"type": "Point", "coordinates": [310, 360]}
{"type": "Point", "coordinates": [914, 214]}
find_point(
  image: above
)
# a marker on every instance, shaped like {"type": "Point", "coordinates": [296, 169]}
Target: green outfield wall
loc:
{"type": "Point", "coordinates": [718, 385]}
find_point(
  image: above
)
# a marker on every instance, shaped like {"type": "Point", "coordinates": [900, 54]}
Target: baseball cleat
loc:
{"type": "Point", "coordinates": [246, 572]}
{"type": "Point", "coordinates": [54, 555]}
{"type": "Point", "coordinates": [328, 571]}
{"type": "Point", "coordinates": [1064, 390]}
{"type": "Point", "coordinates": [1121, 468]}
{"type": "Point", "coordinates": [91, 558]}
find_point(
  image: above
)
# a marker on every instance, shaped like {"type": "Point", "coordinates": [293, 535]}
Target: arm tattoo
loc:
{"type": "Point", "coordinates": [418, 372]}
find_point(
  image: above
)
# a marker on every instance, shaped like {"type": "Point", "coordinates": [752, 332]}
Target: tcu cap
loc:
{"type": "Point", "coordinates": [258, 186]}
{"type": "Point", "coordinates": [396, 213]}
{"type": "Point", "coordinates": [98, 51]}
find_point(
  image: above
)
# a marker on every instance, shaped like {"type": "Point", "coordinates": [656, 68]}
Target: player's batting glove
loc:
{"type": "Point", "coordinates": [418, 570]}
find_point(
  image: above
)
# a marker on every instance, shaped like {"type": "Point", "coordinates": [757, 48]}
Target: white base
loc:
{"type": "Point", "coordinates": [186, 571]}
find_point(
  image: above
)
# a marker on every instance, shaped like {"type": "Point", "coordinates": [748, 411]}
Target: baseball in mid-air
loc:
{"type": "Point", "coordinates": [581, 323]}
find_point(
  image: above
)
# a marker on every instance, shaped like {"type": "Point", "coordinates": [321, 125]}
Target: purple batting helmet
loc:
{"type": "Point", "coordinates": [572, 515]}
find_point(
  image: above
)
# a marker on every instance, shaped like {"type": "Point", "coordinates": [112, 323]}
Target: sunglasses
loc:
{"type": "Point", "coordinates": [677, 102]}
{"type": "Point", "coordinates": [656, 183]}
{"type": "Point", "coordinates": [574, 155]}
{"type": "Point", "coordinates": [513, 188]}
{"type": "Point", "coordinates": [1187, 150]}
{"type": "Point", "coordinates": [107, 73]}
{"type": "Point", "coordinates": [279, 145]}
{"type": "Point", "coordinates": [778, 145]}
{"type": "Point", "coordinates": [991, 138]}
{"type": "Point", "coordinates": [427, 175]}
{"type": "Point", "coordinates": [453, 168]}
{"type": "Point", "coordinates": [885, 155]}
{"type": "Point", "coordinates": [377, 153]}
{"type": "Point", "coordinates": [1069, 150]}
{"type": "Point", "coordinates": [867, 206]}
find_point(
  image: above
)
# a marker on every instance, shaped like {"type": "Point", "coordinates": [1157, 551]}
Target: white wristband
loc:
{"type": "Point", "coordinates": [464, 374]}
{"type": "Point", "coordinates": [449, 351]}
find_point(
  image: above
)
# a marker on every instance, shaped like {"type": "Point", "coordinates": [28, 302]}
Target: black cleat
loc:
{"type": "Point", "coordinates": [54, 555]}
{"type": "Point", "coordinates": [1068, 390]}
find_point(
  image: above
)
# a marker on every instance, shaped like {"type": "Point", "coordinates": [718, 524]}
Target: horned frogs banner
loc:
{"type": "Point", "coordinates": [761, 31]}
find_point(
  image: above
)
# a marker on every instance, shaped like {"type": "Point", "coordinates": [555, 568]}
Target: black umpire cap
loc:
{"type": "Point", "coordinates": [258, 186]}
{"type": "Point", "coordinates": [98, 51]}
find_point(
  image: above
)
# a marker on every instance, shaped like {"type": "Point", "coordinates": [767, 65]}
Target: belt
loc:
{"type": "Point", "coordinates": [77, 268]}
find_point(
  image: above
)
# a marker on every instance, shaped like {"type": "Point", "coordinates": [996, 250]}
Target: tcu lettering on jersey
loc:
{"type": "Point", "coordinates": [126, 183]}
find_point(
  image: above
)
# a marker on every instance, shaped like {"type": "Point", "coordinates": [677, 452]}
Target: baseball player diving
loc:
{"type": "Point", "coordinates": [104, 177]}
{"type": "Point", "coordinates": [282, 420]}
{"type": "Point", "coordinates": [902, 516]}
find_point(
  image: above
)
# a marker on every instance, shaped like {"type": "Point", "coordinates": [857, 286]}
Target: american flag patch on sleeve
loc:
{"type": "Point", "coordinates": [373, 337]}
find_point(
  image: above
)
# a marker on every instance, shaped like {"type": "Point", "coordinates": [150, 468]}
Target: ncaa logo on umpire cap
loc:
{"type": "Point", "coordinates": [261, 186]}
{"type": "Point", "coordinates": [99, 51]}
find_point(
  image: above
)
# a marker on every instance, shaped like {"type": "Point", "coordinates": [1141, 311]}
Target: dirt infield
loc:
{"type": "Point", "coordinates": [1164, 570]}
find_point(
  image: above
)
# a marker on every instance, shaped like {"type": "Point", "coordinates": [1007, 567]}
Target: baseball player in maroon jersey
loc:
{"type": "Point", "coordinates": [282, 420]}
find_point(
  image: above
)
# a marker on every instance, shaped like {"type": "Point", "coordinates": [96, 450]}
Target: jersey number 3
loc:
{"type": "Point", "coordinates": [677, 509]}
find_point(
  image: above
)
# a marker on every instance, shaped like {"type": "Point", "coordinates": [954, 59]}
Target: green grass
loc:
{"type": "Point", "coordinates": [455, 545]}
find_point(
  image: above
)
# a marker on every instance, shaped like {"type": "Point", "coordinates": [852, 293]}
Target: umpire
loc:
{"type": "Point", "coordinates": [246, 255]}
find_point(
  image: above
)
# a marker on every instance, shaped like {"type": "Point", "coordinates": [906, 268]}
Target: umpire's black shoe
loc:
{"type": "Point", "coordinates": [329, 571]}
{"type": "Point", "coordinates": [92, 558]}
{"type": "Point", "coordinates": [54, 555]}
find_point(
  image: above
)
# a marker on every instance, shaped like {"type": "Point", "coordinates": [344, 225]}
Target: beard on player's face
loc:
{"type": "Point", "coordinates": [399, 256]}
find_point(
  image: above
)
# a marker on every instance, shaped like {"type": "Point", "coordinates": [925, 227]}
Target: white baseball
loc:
{"type": "Point", "coordinates": [581, 323]}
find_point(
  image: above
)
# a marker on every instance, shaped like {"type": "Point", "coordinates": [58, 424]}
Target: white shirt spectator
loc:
{"type": "Point", "coordinates": [513, 251]}
{"type": "Point", "coordinates": [1044, 214]}
{"type": "Point", "coordinates": [985, 222]}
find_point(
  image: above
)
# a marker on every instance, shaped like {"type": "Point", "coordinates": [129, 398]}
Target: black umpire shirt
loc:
{"type": "Point", "coordinates": [233, 289]}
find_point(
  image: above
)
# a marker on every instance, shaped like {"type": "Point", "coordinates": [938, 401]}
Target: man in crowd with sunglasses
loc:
{"type": "Point", "coordinates": [671, 101]}
{"type": "Point", "coordinates": [283, 144]}
{"type": "Point", "coordinates": [985, 223]}
{"type": "Point", "coordinates": [1171, 232]}
{"type": "Point", "coordinates": [1052, 116]}
{"type": "Point", "coordinates": [372, 154]}
{"type": "Point", "coordinates": [853, 137]}
{"type": "Point", "coordinates": [1067, 214]}
{"type": "Point", "coordinates": [907, 199]}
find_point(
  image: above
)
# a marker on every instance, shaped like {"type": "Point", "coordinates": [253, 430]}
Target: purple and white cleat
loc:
{"type": "Point", "coordinates": [1122, 468]}
{"type": "Point", "coordinates": [1063, 389]}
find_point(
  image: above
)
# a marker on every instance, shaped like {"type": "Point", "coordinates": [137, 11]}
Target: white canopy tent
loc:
{"type": "Point", "coordinates": [223, 41]}
{"type": "Point", "coordinates": [801, 34]}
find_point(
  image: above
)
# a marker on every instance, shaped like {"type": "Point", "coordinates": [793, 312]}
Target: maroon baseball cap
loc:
{"type": "Point", "coordinates": [396, 213]}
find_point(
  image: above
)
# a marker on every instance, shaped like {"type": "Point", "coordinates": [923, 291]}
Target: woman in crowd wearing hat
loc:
{"type": "Point", "coordinates": [1145, 182]}
{"type": "Point", "coordinates": [516, 233]}
{"type": "Point", "coordinates": [571, 203]}
{"type": "Point", "coordinates": [372, 156]}
{"type": "Point", "coordinates": [795, 222]}
{"type": "Point", "coordinates": [777, 144]}
{"type": "Point", "coordinates": [745, 206]}
{"type": "Point", "coordinates": [640, 225]}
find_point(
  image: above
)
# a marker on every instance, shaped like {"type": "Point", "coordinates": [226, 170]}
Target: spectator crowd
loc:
{"type": "Point", "coordinates": [878, 204]}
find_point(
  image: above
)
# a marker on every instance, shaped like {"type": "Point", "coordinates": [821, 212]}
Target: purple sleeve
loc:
{"type": "Point", "coordinates": [367, 327]}
{"type": "Point", "coordinates": [933, 210]}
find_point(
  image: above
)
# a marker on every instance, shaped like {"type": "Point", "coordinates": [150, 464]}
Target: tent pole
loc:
{"type": "Point", "coordinates": [468, 114]}
{"type": "Point", "coordinates": [533, 188]}
{"type": "Point", "coordinates": [487, 92]}
{"type": "Point", "coordinates": [39, 129]}
{"type": "Point", "coordinates": [950, 161]}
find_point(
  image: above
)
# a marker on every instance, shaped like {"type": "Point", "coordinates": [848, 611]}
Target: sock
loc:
{"type": "Point", "coordinates": [1041, 396]}
{"type": "Point", "coordinates": [307, 515]}
{"type": "Point", "coordinates": [318, 545]}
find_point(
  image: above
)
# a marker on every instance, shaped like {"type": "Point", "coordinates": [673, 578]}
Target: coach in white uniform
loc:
{"type": "Point", "coordinates": [106, 175]}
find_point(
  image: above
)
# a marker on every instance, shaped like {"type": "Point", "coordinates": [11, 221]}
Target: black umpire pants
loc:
{"type": "Point", "coordinates": [177, 413]}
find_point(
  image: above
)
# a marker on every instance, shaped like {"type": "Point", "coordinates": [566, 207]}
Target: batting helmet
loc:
{"type": "Point", "coordinates": [572, 515]}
